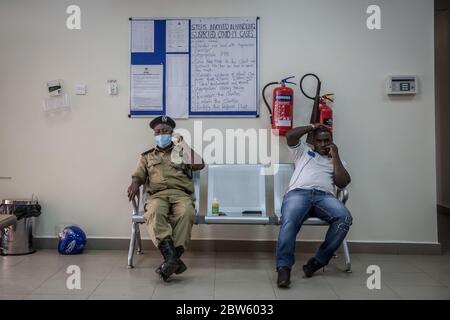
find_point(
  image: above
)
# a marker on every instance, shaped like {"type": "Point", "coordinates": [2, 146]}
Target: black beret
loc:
{"type": "Point", "coordinates": [162, 119]}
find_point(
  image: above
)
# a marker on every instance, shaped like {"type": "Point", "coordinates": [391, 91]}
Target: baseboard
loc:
{"type": "Point", "coordinates": [259, 246]}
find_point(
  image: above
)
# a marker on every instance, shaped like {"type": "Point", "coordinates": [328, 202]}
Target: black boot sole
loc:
{"type": "Point", "coordinates": [168, 268]}
{"type": "Point", "coordinates": [162, 275]}
{"type": "Point", "coordinates": [182, 268]}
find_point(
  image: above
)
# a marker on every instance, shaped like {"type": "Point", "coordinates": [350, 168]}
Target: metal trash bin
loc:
{"type": "Point", "coordinates": [17, 239]}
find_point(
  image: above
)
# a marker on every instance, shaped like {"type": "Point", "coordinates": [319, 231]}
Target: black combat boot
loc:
{"type": "Point", "coordinates": [311, 266]}
{"type": "Point", "coordinates": [171, 261]}
{"type": "Point", "coordinates": [182, 267]}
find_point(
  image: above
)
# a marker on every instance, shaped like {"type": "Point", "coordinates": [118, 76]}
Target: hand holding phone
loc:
{"type": "Point", "coordinates": [332, 149]}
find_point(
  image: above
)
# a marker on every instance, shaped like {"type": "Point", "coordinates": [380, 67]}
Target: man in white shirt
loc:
{"type": "Point", "coordinates": [311, 193]}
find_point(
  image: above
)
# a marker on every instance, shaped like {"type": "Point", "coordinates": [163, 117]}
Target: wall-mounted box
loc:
{"type": "Point", "coordinates": [401, 85]}
{"type": "Point", "coordinates": [55, 88]}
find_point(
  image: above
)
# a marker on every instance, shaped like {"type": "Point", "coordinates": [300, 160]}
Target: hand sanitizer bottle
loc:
{"type": "Point", "coordinates": [215, 207]}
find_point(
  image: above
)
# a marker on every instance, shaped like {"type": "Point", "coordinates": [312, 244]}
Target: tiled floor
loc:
{"type": "Point", "coordinates": [222, 275]}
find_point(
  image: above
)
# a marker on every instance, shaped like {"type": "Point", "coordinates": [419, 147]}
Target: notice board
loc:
{"type": "Point", "coordinates": [194, 67]}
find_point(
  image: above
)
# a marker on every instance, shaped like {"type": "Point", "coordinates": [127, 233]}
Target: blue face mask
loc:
{"type": "Point", "coordinates": [163, 140]}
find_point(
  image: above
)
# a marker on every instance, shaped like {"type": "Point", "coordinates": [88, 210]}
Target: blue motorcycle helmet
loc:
{"type": "Point", "coordinates": [72, 240]}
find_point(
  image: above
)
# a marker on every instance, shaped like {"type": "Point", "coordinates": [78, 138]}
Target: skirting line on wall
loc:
{"type": "Point", "coordinates": [258, 246]}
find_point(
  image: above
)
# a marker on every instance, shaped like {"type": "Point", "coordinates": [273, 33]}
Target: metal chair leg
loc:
{"type": "Point", "coordinates": [138, 239]}
{"type": "Point", "coordinates": [348, 265]}
{"type": "Point", "coordinates": [132, 244]}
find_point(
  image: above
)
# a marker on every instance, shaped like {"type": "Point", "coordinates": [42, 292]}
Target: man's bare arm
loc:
{"type": "Point", "coordinates": [294, 135]}
{"type": "Point", "coordinates": [341, 175]}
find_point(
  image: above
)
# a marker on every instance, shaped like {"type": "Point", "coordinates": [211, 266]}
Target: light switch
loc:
{"type": "Point", "coordinates": [113, 87]}
{"type": "Point", "coordinates": [81, 89]}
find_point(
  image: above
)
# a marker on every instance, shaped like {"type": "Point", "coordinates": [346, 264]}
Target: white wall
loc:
{"type": "Point", "coordinates": [79, 163]}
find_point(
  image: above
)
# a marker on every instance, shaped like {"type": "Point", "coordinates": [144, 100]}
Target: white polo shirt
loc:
{"type": "Point", "coordinates": [312, 171]}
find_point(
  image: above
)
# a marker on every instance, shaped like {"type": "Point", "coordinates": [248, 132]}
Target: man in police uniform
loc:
{"type": "Point", "coordinates": [166, 171]}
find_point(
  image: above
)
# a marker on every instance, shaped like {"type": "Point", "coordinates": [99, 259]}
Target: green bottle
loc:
{"type": "Point", "coordinates": [215, 207]}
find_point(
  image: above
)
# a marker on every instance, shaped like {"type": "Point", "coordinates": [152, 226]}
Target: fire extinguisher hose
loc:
{"type": "Point", "coordinates": [264, 96]}
{"type": "Point", "coordinates": [319, 84]}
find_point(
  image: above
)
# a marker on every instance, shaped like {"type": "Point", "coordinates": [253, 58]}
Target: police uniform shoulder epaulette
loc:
{"type": "Point", "coordinates": [147, 152]}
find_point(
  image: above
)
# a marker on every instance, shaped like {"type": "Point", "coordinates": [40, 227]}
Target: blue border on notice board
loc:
{"type": "Point", "coordinates": [151, 58]}
{"type": "Point", "coordinates": [159, 57]}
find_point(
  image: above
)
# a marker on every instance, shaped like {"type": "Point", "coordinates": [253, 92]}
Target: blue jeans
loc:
{"type": "Point", "coordinates": [300, 204]}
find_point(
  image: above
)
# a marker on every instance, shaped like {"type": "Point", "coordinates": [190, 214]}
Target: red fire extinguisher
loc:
{"type": "Point", "coordinates": [282, 116]}
{"type": "Point", "coordinates": [325, 112]}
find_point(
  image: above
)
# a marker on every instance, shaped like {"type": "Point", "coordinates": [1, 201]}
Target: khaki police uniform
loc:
{"type": "Point", "coordinates": [169, 209]}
